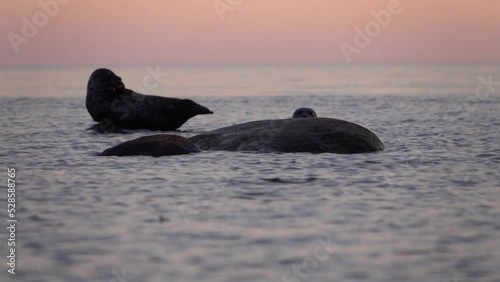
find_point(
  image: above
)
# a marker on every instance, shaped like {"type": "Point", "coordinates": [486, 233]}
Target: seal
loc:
{"type": "Point", "coordinates": [114, 106]}
{"type": "Point", "coordinates": [154, 145]}
{"type": "Point", "coordinates": [304, 113]}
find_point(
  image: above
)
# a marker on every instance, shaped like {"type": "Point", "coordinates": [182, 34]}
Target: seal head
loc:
{"type": "Point", "coordinates": [304, 113]}
{"type": "Point", "coordinates": [103, 86]}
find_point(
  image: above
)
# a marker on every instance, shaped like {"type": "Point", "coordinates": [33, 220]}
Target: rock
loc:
{"type": "Point", "coordinates": [154, 145]}
{"type": "Point", "coordinates": [313, 135]}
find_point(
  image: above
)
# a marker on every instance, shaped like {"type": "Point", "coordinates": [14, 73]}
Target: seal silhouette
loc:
{"type": "Point", "coordinates": [109, 102]}
{"type": "Point", "coordinates": [304, 113]}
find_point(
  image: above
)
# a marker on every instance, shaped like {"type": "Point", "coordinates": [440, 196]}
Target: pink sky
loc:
{"type": "Point", "coordinates": [132, 32]}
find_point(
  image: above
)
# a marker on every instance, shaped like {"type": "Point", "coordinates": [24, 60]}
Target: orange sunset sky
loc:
{"type": "Point", "coordinates": [133, 32]}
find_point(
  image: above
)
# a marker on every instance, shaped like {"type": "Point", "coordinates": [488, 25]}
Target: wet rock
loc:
{"type": "Point", "coordinates": [154, 145]}
{"type": "Point", "coordinates": [313, 135]}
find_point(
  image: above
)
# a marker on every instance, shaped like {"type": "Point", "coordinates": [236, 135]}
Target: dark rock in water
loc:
{"type": "Point", "coordinates": [154, 145]}
{"type": "Point", "coordinates": [313, 135]}
{"type": "Point", "coordinates": [115, 107]}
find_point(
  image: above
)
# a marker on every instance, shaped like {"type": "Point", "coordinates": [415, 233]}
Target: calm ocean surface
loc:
{"type": "Point", "coordinates": [425, 209]}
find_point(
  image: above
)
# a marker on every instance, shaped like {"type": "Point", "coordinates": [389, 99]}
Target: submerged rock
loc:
{"type": "Point", "coordinates": [154, 145]}
{"type": "Point", "coordinates": [313, 135]}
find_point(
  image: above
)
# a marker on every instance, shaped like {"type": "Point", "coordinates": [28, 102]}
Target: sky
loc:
{"type": "Point", "coordinates": [226, 32]}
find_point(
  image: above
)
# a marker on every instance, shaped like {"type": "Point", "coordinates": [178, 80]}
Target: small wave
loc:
{"type": "Point", "coordinates": [281, 180]}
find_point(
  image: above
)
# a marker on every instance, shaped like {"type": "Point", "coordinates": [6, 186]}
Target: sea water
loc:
{"type": "Point", "coordinates": [426, 208]}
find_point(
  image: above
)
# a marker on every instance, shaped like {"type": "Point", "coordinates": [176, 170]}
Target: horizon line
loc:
{"type": "Point", "coordinates": [296, 64]}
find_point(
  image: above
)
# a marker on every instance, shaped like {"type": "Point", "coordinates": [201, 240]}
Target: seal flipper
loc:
{"type": "Point", "coordinates": [195, 108]}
